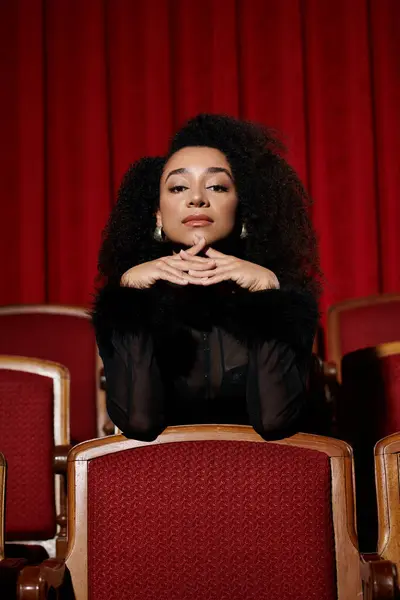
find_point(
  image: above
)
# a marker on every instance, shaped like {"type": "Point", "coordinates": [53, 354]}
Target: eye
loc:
{"type": "Point", "coordinates": [218, 188]}
{"type": "Point", "coordinates": [177, 189]}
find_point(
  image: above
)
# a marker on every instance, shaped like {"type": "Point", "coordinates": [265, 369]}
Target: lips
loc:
{"type": "Point", "coordinates": [197, 220]}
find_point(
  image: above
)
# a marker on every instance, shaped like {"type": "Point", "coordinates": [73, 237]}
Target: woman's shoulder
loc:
{"type": "Point", "coordinates": [288, 314]}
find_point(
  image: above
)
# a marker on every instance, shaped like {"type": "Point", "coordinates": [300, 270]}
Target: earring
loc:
{"type": "Point", "coordinates": [243, 233]}
{"type": "Point", "coordinates": [158, 234]}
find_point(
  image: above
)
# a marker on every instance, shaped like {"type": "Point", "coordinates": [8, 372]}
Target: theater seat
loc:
{"type": "Point", "coordinates": [34, 438]}
{"type": "Point", "coordinates": [368, 409]}
{"type": "Point", "coordinates": [361, 323]}
{"type": "Point", "coordinates": [211, 512]}
{"type": "Point", "coordinates": [63, 334]}
{"type": "Point", "coordinates": [9, 567]}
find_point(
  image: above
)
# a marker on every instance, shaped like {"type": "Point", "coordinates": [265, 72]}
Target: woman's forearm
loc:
{"type": "Point", "coordinates": [135, 392]}
{"type": "Point", "coordinates": [276, 390]}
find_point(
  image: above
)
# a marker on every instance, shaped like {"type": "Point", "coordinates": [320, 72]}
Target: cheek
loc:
{"type": "Point", "coordinates": [167, 208]}
{"type": "Point", "coordinates": [228, 209]}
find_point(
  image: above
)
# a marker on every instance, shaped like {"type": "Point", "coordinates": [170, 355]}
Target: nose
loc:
{"type": "Point", "coordinates": [198, 199]}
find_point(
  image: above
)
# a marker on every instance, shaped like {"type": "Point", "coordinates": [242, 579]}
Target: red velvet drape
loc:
{"type": "Point", "coordinates": [88, 87]}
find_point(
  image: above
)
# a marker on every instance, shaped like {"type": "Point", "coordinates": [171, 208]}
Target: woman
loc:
{"type": "Point", "coordinates": [208, 311]}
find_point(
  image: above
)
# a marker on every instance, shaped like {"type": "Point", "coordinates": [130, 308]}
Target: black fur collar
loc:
{"type": "Point", "coordinates": [288, 315]}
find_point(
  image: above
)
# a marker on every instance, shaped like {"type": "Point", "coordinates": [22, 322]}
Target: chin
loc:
{"type": "Point", "coordinates": [186, 238]}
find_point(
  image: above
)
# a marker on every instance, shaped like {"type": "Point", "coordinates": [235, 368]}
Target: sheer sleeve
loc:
{"type": "Point", "coordinates": [280, 326]}
{"type": "Point", "coordinates": [276, 392]}
{"type": "Point", "coordinates": [135, 391]}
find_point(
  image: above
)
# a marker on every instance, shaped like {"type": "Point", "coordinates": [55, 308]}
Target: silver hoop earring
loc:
{"type": "Point", "coordinates": [243, 233]}
{"type": "Point", "coordinates": [158, 234]}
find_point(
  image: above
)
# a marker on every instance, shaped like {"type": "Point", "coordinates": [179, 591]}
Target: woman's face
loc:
{"type": "Point", "coordinates": [197, 196]}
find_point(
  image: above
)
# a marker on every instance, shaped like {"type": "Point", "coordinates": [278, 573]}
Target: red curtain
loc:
{"type": "Point", "coordinates": [88, 87]}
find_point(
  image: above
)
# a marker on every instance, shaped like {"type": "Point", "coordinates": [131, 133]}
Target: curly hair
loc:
{"type": "Point", "coordinates": [272, 203]}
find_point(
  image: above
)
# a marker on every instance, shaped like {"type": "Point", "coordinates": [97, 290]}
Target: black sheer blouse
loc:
{"type": "Point", "coordinates": [195, 365]}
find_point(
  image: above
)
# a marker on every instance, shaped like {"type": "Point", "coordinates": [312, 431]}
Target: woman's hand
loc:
{"type": "Point", "coordinates": [173, 269]}
{"type": "Point", "coordinates": [247, 275]}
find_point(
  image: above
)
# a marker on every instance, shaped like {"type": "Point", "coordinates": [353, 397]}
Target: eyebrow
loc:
{"type": "Point", "coordinates": [209, 170]}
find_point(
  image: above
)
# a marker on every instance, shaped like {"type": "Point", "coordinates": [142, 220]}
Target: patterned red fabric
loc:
{"type": "Point", "coordinates": [65, 339]}
{"type": "Point", "coordinates": [369, 326]}
{"type": "Point", "coordinates": [26, 440]}
{"type": "Point", "coordinates": [211, 521]}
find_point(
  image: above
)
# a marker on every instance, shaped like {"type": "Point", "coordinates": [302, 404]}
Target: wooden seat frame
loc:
{"type": "Point", "coordinates": [9, 567]}
{"type": "Point", "coordinates": [335, 352]}
{"type": "Point", "coordinates": [387, 478]}
{"type": "Point", "coordinates": [353, 573]}
{"type": "Point", "coordinates": [3, 468]}
{"type": "Point", "coordinates": [104, 425]}
{"type": "Point", "coordinates": [60, 376]}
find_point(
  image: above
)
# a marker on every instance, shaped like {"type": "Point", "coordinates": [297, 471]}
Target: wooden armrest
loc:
{"type": "Point", "coordinates": [109, 427]}
{"type": "Point", "coordinates": [379, 578]}
{"type": "Point", "coordinates": [102, 379]}
{"type": "Point", "coordinates": [60, 456]}
{"type": "Point", "coordinates": [36, 583]}
{"type": "Point", "coordinates": [329, 370]}
{"type": "Point", "coordinates": [9, 571]}
{"type": "Point", "coordinates": [13, 563]}
{"type": "Point", "coordinates": [323, 372]}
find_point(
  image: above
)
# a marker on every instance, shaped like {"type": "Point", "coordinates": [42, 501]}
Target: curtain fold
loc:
{"type": "Point", "coordinates": [89, 87]}
{"type": "Point", "coordinates": [385, 96]}
{"type": "Point", "coordinates": [22, 165]}
{"type": "Point", "coordinates": [77, 145]}
{"type": "Point", "coordinates": [272, 72]}
{"type": "Point", "coordinates": [341, 145]}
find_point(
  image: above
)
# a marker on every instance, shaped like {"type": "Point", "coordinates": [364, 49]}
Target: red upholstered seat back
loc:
{"type": "Point", "coordinates": [68, 340]}
{"type": "Point", "coordinates": [368, 325]}
{"type": "Point", "coordinates": [26, 440]}
{"type": "Point", "coordinates": [208, 520]}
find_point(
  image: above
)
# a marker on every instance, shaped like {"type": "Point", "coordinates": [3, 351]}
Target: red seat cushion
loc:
{"type": "Point", "coordinates": [68, 340]}
{"type": "Point", "coordinates": [26, 440]}
{"type": "Point", "coordinates": [211, 520]}
{"type": "Point", "coordinates": [369, 326]}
